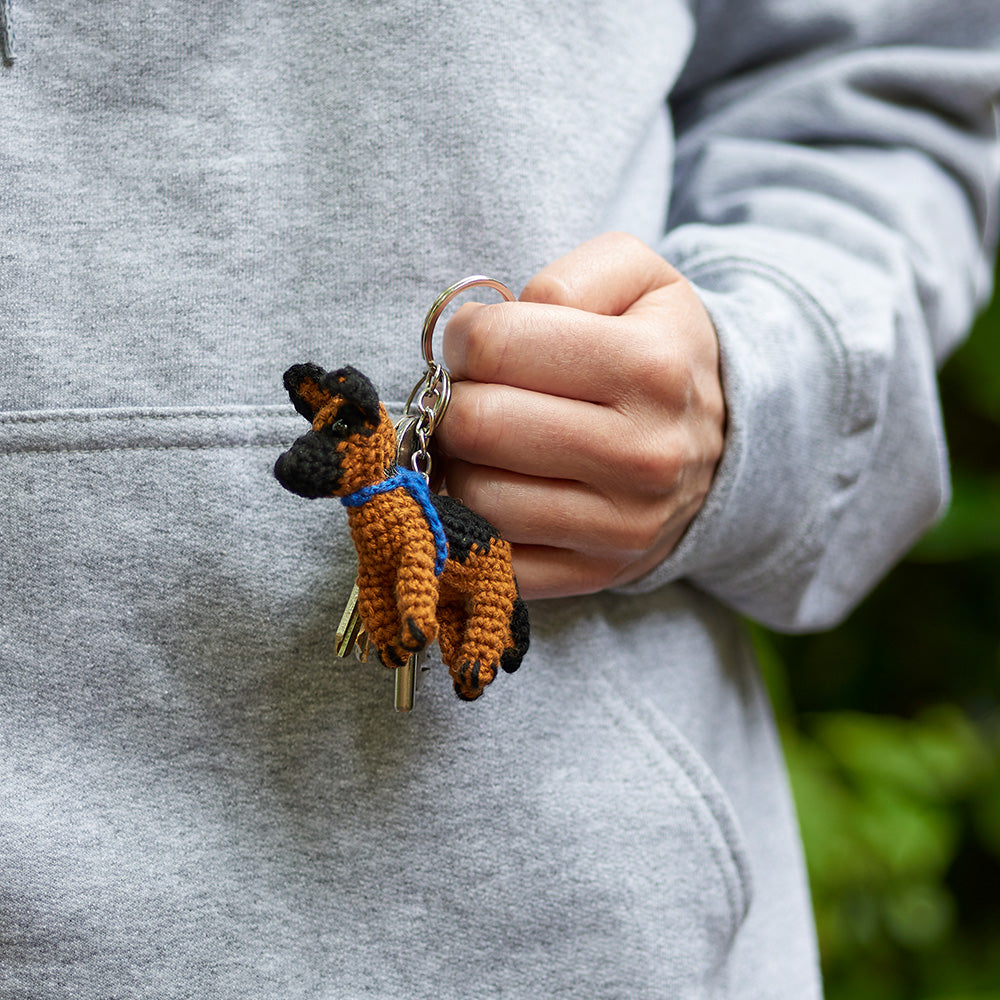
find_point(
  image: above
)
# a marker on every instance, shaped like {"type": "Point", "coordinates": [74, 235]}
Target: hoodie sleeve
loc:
{"type": "Point", "coordinates": [834, 205]}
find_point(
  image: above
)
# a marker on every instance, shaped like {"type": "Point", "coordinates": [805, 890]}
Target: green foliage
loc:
{"type": "Point", "coordinates": [891, 726]}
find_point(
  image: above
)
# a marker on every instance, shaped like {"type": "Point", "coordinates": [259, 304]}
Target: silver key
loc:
{"type": "Point", "coordinates": [406, 675]}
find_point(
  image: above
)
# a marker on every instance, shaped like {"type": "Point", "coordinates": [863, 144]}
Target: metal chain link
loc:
{"type": "Point", "coordinates": [432, 393]}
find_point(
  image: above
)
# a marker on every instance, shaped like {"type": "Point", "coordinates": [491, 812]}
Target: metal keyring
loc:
{"type": "Point", "coordinates": [432, 393]}
{"type": "Point", "coordinates": [426, 342]}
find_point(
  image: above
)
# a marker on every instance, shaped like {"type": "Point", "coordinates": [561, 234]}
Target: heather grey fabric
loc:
{"type": "Point", "coordinates": [197, 799]}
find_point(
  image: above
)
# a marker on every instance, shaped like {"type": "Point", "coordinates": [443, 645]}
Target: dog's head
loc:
{"type": "Point", "coordinates": [352, 441]}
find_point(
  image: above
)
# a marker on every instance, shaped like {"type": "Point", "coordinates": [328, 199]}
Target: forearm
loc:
{"type": "Point", "coordinates": [838, 221]}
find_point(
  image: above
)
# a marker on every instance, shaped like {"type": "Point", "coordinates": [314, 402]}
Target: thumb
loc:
{"type": "Point", "coordinates": [605, 275]}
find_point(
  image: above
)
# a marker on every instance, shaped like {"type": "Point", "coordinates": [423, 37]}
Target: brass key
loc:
{"type": "Point", "coordinates": [406, 682]}
{"type": "Point", "coordinates": [351, 630]}
{"type": "Point", "coordinates": [351, 634]}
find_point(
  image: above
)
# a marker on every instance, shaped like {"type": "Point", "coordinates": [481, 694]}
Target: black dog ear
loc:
{"type": "Point", "coordinates": [356, 389]}
{"type": "Point", "coordinates": [310, 388]}
{"type": "Point", "coordinates": [304, 385]}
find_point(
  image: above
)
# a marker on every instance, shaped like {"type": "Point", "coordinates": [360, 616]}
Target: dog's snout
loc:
{"type": "Point", "coordinates": [308, 468]}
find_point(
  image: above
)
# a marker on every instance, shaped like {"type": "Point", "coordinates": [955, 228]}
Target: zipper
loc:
{"type": "Point", "coordinates": [7, 48]}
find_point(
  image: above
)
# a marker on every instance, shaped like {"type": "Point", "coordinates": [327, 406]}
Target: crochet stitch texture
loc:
{"type": "Point", "coordinates": [428, 567]}
{"type": "Point", "coordinates": [417, 487]}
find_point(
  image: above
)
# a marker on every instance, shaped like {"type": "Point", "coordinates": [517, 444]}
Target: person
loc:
{"type": "Point", "coordinates": [724, 408]}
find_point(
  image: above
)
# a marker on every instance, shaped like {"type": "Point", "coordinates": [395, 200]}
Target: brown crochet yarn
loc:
{"type": "Point", "coordinates": [414, 586]}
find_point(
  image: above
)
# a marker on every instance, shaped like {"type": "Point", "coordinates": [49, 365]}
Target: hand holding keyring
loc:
{"type": "Point", "coordinates": [587, 419]}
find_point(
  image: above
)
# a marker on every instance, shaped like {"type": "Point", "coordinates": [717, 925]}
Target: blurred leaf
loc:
{"type": "Point", "coordinates": [919, 914]}
{"type": "Point", "coordinates": [826, 809]}
{"type": "Point", "coordinates": [936, 756]}
{"type": "Point", "coordinates": [908, 838]}
{"type": "Point", "coordinates": [986, 811]}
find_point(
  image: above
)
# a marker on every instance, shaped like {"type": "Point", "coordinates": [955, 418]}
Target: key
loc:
{"type": "Point", "coordinates": [351, 634]}
{"type": "Point", "coordinates": [406, 682]}
{"type": "Point", "coordinates": [351, 630]}
{"type": "Point", "coordinates": [406, 675]}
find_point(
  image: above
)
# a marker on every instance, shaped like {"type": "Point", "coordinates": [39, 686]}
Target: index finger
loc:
{"type": "Point", "coordinates": [572, 333]}
{"type": "Point", "coordinates": [548, 349]}
{"type": "Point", "coordinates": [605, 275]}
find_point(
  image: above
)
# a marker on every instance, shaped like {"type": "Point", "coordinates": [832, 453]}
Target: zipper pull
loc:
{"type": "Point", "coordinates": [7, 48]}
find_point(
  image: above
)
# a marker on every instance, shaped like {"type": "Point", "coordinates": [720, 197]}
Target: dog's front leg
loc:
{"type": "Point", "coordinates": [416, 597]}
{"type": "Point", "coordinates": [377, 606]}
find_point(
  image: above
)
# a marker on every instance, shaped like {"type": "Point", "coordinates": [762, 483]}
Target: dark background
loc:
{"type": "Point", "coordinates": [891, 725]}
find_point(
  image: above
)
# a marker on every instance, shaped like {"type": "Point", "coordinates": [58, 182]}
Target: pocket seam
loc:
{"type": "Point", "coordinates": [732, 855]}
{"type": "Point", "coordinates": [96, 431]}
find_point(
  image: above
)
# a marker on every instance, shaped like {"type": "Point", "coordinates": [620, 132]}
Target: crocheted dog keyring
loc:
{"type": "Point", "coordinates": [428, 567]}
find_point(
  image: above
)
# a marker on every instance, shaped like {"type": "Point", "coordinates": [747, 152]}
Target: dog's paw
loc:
{"type": "Point", "coordinates": [410, 639]}
{"type": "Point", "coordinates": [470, 678]}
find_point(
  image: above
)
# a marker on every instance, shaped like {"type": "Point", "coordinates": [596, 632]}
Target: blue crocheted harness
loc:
{"type": "Point", "coordinates": [417, 487]}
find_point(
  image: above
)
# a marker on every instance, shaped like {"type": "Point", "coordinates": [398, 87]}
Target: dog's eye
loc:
{"type": "Point", "coordinates": [338, 427]}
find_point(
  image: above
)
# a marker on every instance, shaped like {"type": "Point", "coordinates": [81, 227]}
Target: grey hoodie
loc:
{"type": "Point", "coordinates": [197, 798]}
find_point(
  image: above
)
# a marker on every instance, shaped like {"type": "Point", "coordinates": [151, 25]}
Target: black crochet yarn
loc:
{"type": "Point", "coordinates": [311, 467]}
{"type": "Point", "coordinates": [360, 416]}
{"type": "Point", "coordinates": [463, 527]}
{"type": "Point", "coordinates": [294, 377]}
{"type": "Point", "coordinates": [520, 630]}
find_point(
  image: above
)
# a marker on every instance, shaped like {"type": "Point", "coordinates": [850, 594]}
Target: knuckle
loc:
{"type": "Point", "coordinates": [619, 241]}
{"type": "Point", "coordinates": [659, 373]}
{"type": "Point", "coordinates": [487, 336]}
{"type": "Point", "coordinates": [652, 465]}
{"type": "Point", "coordinates": [547, 289]}
{"type": "Point", "coordinates": [636, 531]}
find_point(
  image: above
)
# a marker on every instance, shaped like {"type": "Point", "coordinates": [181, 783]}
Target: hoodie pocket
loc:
{"type": "Point", "coordinates": [691, 781]}
{"type": "Point", "coordinates": [187, 761]}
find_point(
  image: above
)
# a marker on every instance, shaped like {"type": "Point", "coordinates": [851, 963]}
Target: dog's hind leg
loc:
{"type": "Point", "coordinates": [451, 625]}
{"type": "Point", "coordinates": [520, 632]}
{"type": "Point", "coordinates": [486, 636]}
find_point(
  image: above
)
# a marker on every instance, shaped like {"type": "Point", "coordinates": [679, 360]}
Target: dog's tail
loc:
{"type": "Point", "coordinates": [520, 633]}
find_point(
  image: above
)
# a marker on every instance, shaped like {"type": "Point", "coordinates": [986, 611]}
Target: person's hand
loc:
{"type": "Point", "coordinates": [587, 418]}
